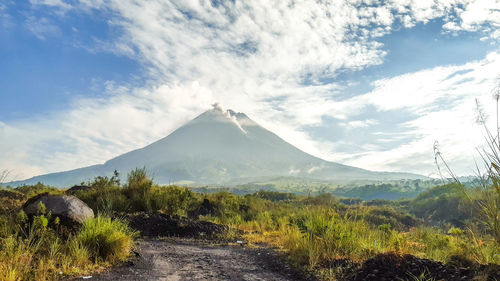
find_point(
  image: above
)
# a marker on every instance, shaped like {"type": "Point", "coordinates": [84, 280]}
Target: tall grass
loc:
{"type": "Point", "coordinates": [318, 236]}
{"type": "Point", "coordinates": [36, 251]}
{"type": "Point", "coordinates": [315, 231]}
{"type": "Point", "coordinates": [486, 196]}
{"type": "Point", "coordinates": [490, 188]}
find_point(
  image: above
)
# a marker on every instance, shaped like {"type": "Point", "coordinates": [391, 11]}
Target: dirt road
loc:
{"type": "Point", "coordinates": [184, 259]}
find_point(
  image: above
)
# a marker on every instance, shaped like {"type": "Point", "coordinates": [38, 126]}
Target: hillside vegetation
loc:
{"type": "Point", "coordinates": [322, 234]}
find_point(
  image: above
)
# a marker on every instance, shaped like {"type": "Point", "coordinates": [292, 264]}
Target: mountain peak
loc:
{"type": "Point", "coordinates": [219, 114]}
{"type": "Point", "coordinates": [219, 146]}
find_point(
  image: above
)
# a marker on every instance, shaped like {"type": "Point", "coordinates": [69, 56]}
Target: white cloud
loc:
{"type": "Point", "coordinates": [42, 27]}
{"type": "Point", "coordinates": [52, 3]}
{"type": "Point", "coordinates": [265, 58]}
{"type": "Point", "coordinates": [476, 15]}
{"type": "Point", "coordinates": [443, 100]}
{"type": "Point", "coordinates": [93, 131]}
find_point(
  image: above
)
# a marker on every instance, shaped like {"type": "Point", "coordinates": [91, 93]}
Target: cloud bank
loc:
{"type": "Point", "coordinates": [278, 62]}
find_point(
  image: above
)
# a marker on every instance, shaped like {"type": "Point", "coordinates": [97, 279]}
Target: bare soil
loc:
{"type": "Point", "coordinates": [391, 266]}
{"type": "Point", "coordinates": [161, 225]}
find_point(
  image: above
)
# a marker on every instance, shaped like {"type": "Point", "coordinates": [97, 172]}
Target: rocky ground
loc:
{"type": "Point", "coordinates": [175, 259]}
{"type": "Point", "coordinates": [176, 248]}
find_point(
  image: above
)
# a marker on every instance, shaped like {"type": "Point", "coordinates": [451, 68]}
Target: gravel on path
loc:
{"type": "Point", "coordinates": [176, 259]}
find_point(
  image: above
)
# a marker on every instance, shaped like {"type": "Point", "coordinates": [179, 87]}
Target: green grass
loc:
{"type": "Point", "coordinates": [105, 239]}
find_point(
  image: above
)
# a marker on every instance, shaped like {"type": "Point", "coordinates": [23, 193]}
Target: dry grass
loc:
{"type": "Point", "coordinates": [34, 251]}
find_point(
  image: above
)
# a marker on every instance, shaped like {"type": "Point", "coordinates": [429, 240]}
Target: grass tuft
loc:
{"type": "Point", "coordinates": [106, 239]}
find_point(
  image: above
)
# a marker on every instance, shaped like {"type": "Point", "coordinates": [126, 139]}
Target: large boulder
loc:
{"type": "Point", "coordinates": [66, 207]}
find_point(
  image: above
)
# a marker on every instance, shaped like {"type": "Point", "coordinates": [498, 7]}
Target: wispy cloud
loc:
{"type": "Point", "coordinates": [5, 19]}
{"type": "Point", "coordinates": [59, 4]}
{"type": "Point", "coordinates": [42, 27]}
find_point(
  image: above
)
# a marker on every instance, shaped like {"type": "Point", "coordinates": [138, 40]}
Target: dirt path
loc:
{"type": "Point", "coordinates": [181, 259]}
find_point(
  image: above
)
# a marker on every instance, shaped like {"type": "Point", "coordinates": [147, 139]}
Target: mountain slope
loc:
{"type": "Point", "coordinates": [217, 147]}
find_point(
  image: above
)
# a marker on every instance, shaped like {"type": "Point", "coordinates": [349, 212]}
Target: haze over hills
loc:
{"type": "Point", "coordinates": [219, 147]}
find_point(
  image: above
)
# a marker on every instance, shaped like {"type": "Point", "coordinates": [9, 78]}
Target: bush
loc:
{"type": "Point", "coordinates": [106, 199]}
{"type": "Point", "coordinates": [101, 182]}
{"type": "Point", "coordinates": [171, 199]}
{"type": "Point", "coordinates": [10, 200]}
{"type": "Point", "coordinates": [387, 215]}
{"type": "Point", "coordinates": [33, 190]}
{"type": "Point", "coordinates": [274, 196]}
{"type": "Point", "coordinates": [105, 239]}
{"type": "Point", "coordinates": [445, 203]}
{"type": "Point", "coordinates": [139, 189]}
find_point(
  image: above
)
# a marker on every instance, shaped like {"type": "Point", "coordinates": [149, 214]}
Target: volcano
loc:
{"type": "Point", "coordinates": [219, 147]}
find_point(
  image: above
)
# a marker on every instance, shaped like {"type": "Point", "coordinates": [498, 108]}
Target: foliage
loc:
{"type": "Point", "coordinates": [103, 182]}
{"type": "Point", "coordinates": [274, 196]}
{"type": "Point", "coordinates": [139, 194]}
{"type": "Point", "coordinates": [314, 231]}
{"type": "Point", "coordinates": [389, 216]}
{"type": "Point", "coordinates": [33, 190]}
{"type": "Point", "coordinates": [381, 191]}
{"type": "Point", "coordinates": [138, 189]}
{"type": "Point", "coordinates": [171, 199]}
{"type": "Point", "coordinates": [445, 203]}
{"type": "Point", "coordinates": [106, 199]}
{"type": "Point", "coordinates": [10, 199]}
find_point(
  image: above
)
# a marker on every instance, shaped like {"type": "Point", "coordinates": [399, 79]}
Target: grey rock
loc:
{"type": "Point", "coordinates": [63, 206]}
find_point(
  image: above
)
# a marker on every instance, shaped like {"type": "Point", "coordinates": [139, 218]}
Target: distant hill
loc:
{"type": "Point", "coordinates": [219, 147]}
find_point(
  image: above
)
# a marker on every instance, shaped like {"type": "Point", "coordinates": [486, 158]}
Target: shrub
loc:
{"type": "Point", "coordinates": [171, 199]}
{"type": "Point", "coordinates": [10, 200]}
{"type": "Point", "coordinates": [139, 181]}
{"type": "Point", "coordinates": [387, 215]}
{"type": "Point", "coordinates": [101, 182]}
{"type": "Point", "coordinates": [139, 189]}
{"type": "Point", "coordinates": [274, 196]}
{"type": "Point", "coordinates": [33, 190]}
{"type": "Point", "coordinates": [445, 203]}
{"type": "Point", "coordinates": [106, 199]}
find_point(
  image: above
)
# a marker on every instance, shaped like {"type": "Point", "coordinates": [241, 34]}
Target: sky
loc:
{"type": "Point", "coordinates": [372, 84]}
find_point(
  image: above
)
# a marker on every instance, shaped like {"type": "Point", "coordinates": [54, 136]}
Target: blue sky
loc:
{"type": "Point", "coordinates": [368, 83]}
{"type": "Point", "coordinates": [45, 67]}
